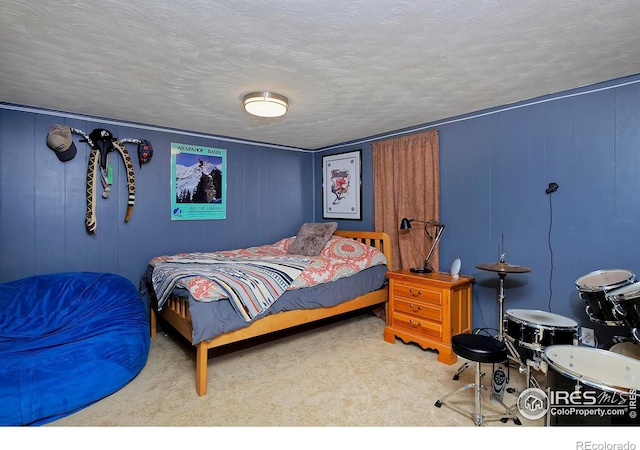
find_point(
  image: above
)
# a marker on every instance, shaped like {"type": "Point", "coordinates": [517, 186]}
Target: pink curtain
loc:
{"type": "Point", "coordinates": [406, 183]}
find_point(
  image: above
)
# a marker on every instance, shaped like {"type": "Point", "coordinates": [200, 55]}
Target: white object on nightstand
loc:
{"type": "Point", "coordinates": [455, 268]}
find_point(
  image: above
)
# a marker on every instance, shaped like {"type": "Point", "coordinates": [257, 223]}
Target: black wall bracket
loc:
{"type": "Point", "coordinates": [552, 188]}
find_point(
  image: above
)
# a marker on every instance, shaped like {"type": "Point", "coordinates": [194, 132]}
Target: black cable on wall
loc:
{"type": "Point", "coordinates": [550, 190]}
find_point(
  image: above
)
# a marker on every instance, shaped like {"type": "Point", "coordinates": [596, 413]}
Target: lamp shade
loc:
{"type": "Point", "coordinates": [405, 224]}
{"type": "Point", "coordinates": [266, 104]}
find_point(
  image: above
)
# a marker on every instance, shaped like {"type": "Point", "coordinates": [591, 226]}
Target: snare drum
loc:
{"type": "Point", "coordinates": [626, 307]}
{"type": "Point", "coordinates": [585, 381]}
{"type": "Point", "coordinates": [536, 330]}
{"type": "Point", "coordinates": [593, 288]}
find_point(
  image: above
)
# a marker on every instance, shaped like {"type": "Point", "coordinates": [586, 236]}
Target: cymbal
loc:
{"type": "Point", "coordinates": [503, 267]}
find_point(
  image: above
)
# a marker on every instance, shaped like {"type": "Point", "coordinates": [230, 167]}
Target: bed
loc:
{"type": "Point", "coordinates": [211, 324]}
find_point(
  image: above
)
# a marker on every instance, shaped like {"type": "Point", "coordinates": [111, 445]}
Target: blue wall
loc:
{"type": "Point", "coordinates": [495, 166]}
{"type": "Point", "coordinates": [43, 201]}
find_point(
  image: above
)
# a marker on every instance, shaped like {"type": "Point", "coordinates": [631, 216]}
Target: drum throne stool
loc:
{"type": "Point", "coordinates": [480, 349]}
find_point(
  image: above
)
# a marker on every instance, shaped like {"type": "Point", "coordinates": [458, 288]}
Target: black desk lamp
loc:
{"type": "Point", "coordinates": [405, 224]}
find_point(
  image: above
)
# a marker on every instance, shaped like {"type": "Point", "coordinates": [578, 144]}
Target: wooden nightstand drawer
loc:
{"type": "Point", "coordinates": [418, 293]}
{"type": "Point", "coordinates": [418, 325]}
{"type": "Point", "coordinates": [420, 309]}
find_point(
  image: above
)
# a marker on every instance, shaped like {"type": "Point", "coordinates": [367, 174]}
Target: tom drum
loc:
{"type": "Point", "coordinates": [535, 330]}
{"type": "Point", "coordinates": [591, 386]}
{"type": "Point", "coordinates": [593, 288]}
{"type": "Point", "coordinates": [626, 307]}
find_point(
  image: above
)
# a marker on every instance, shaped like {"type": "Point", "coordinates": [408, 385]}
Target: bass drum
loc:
{"type": "Point", "coordinates": [591, 386]}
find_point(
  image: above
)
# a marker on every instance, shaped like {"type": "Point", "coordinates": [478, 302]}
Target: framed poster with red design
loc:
{"type": "Point", "coordinates": [342, 186]}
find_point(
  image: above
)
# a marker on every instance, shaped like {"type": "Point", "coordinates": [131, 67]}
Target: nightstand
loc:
{"type": "Point", "coordinates": [428, 308]}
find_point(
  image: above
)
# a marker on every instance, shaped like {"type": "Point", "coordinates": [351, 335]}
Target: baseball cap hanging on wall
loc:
{"type": "Point", "coordinates": [59, 140]}
{"type": "Point", "coordinates": [145, 152]}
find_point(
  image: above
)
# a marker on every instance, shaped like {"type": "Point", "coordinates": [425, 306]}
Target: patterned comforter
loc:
{"type": "Point", "coordinates": [253, 278]}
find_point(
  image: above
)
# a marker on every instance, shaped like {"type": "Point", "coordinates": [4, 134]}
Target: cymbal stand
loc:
{"type": "Point", "coordinates": [513, 355]}
{"type": "Point", "coordinates": [502, 269]}
{"type": "Point", "coordinates": [502, 276]}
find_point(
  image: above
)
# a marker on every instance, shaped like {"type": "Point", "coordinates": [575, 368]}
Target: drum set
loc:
{"type": "Point", "coordinates": [545, 342]}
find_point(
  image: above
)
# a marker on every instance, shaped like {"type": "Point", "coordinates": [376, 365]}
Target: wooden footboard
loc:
{"type": "Point", "coordinates": [176, 312]}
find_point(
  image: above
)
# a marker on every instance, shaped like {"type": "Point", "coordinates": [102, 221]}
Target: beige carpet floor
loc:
{"type": "Point", "coordinates": [332, 384]}
{"type": "Point", "coordinates": [338, 374]}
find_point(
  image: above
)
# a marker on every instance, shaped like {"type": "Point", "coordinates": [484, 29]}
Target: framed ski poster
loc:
{"type": "Point", "coordinates": [198, 182]}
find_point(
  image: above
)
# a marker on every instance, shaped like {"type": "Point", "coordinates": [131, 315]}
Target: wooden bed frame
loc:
{"type": "Point", "coordinates": [176, 312]}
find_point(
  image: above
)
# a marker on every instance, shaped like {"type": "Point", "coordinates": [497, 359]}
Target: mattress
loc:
{"type": "Point", "coordinates": [211, 319]}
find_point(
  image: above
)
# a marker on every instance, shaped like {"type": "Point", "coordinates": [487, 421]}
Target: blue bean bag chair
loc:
{"type": "Point", "coordinates": [67, 340]}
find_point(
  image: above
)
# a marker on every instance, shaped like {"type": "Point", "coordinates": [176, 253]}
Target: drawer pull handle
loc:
{"type": "Point", "coordinates": [414, 325]}
{"type": "Point", "coordinates": [413, 308]}
{"type": "Point", "coordinates": [414, 294]}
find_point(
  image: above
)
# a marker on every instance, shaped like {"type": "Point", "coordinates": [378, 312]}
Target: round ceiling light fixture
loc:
{"type": "Point", "coordinates": [266, 104]}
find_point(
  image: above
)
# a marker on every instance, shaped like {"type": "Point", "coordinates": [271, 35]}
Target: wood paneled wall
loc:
{"type": "Point", "coordinates": [43, 201]}
{"type": "Point", "coordinates": [495, 166]}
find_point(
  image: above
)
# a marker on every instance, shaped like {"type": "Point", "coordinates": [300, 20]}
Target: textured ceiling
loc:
{"type": "Point", "coordinates": [351, 69]}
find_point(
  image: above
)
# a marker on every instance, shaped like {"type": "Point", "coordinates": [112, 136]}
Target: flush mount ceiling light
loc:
{"type": "Point", "coordinates": [266, 104]}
